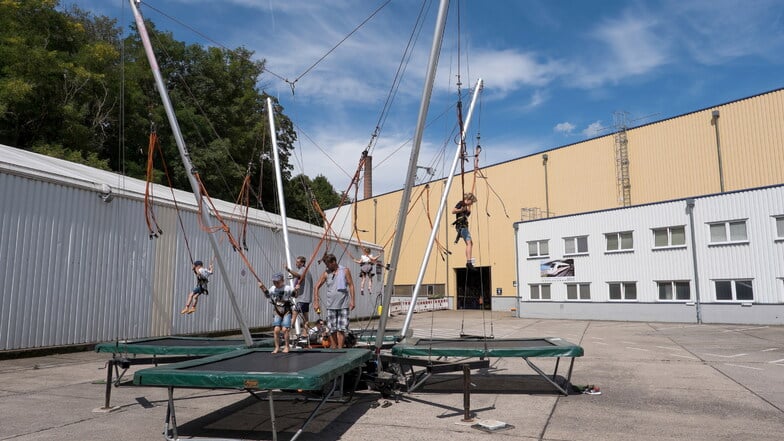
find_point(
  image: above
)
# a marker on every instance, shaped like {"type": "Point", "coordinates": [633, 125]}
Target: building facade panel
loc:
{"type": "Point", "coordinates": [81, 269]}
{"type": "Point", "coordinates": [758, 258]}
{"type": "Point", "coordinates": [581, 177]}
{"type": "Point", "coordinates": [735, 245]}
{"type": "Point", "coordinates": [670, 159]}
{"type": "Point", "coordinates": [751, 141]}
{"type": "Point", "coordinates": [673, 159]}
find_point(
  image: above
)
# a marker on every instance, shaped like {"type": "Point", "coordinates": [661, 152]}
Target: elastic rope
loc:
{"type": "Point", "coordinates": [153, 229]}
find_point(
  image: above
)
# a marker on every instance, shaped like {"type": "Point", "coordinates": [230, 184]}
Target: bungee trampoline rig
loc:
{"type": "Point", "coordinates": [394, 363]}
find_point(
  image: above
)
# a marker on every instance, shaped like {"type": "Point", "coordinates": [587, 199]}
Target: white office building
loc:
{"type": "Point", "coordinates": [712, 259]}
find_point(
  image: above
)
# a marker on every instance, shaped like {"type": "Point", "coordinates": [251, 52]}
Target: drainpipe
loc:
{"type": "Point", "coordinates": [517, 269]}
{"type": "Point", "coordinates": [718, 149]}
{"type": "Point", "coordinates": [690, 210]}
{"type": "Point", "coordinates": [546, 187]}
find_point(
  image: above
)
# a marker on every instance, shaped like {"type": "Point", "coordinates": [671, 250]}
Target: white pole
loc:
{"type": "Point", "coordinates": [279, 181]}
{"type": "Point", "coordinates": [440, 212]}
{"type": "Point", "coordinates": [191, 171]}
{"type": "Point", "coordinates": [281, 200]}
{"type": "Point", "coordinates": [435, 50]}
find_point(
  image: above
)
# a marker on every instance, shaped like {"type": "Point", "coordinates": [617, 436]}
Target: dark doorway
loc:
{"type": "Point", "coordinates": [473, 288]}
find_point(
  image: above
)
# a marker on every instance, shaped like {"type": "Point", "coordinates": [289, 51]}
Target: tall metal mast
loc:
{"type": "Point", "coordinates": [435, 50]}
{"type": "Point", "coordinates": [281, 201]}
{"type": "Point", "coordinates": [279, 180]}
{"type": "Point", "coordinates": [188, 165]}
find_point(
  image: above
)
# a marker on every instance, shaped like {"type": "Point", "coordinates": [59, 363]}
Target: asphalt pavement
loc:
{"type": "Point", "coordinates": [658, 381]}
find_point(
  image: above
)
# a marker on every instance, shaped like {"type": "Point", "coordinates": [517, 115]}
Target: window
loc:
{"type": "Point", "coordinates": [669, 237]}
{"type": "Point", "coordinates": [538, 248]}
{"type": "Point", "coordinates": [674, 290]}
{"type": "Point", "coordinates": [576, 245]}
{"type": "Point", "coordinates": [578, 290]}
{"type": "Point", "coordinates": [779, 227]}
{"type": "Point", "coordinates": [728, 232]}
{"type": "Point", "coordinates": [619, 241]}
{"type": "Point", "coordinates": [540, 292]}
{"type": "Point", "coordinates": [623, 290]}
{"type": "Point", "coordinates": [734, 290]}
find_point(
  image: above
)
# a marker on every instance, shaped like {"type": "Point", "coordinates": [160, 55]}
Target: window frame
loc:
{"type": "Point", "coordinates": [669, 230]}
{"type": "Point", "coordinates": [576, 241]}
{"type": "Point", "coordinates": [733, 290]}
{"type": "Point", "coordinates": [539, 290]}
{"type": "Point", "coordinates": [623, 287]}
{"type": "Point", "coordinates": [674, 290]}
{"type": "Point", "coordinates": [727, 224]}
{"type": "Point", "coordinates": [539, 254]}
{"type": "Point", "coordinates": [619, 238]}
{"type": "Point", "coordinates": [778, 227]}
{"type": "Point", "coordinates": [579, 292]}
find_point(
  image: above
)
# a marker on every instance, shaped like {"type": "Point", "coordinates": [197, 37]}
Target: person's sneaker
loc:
{"type": "Point", "coordinates": [185, 310]}
{"type": "Point", "coordinates": [470, 266]}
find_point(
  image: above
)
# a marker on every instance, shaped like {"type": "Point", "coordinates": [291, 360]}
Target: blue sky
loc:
{"type": "Point", "coordinates": [555, 72]}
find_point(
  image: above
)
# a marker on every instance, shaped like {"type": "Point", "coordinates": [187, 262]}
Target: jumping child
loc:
{"type": "Point", "coordinates": [461, 211]}
{"type": "Point", "coordinates": [281, 296]}
{"type": "Point", "coordinates": [202, 278]}
{"type": "Point", "coordinates": [366, 264]}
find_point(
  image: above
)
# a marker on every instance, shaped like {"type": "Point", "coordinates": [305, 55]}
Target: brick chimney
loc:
{"type": "Point", "coordinates": [368, 190]}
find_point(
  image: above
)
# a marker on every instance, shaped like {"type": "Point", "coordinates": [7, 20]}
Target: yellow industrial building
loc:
{"type": "Point", "coordinates": [727, 147]}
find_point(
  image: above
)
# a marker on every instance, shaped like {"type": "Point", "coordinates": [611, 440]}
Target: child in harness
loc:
{"type": "Point", "coordinates": [461, 211]}
{"type": "Point", "coordinates": [282, 298]}
{"type": "Point", "coordinates": [367, 262]}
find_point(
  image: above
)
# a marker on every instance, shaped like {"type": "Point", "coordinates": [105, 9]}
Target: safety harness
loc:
{"type": "Point", "coordinates": [461, 221]}
{"type": "Point", "coordinates": [282, 307]}
{"type": "Point", "coordinates": [201, 282]}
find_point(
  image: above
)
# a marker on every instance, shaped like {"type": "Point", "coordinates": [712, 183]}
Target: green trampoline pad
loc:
{"type": "Point", "coordinates": [257, 368]}
{"type": "Point", "coordinates": [370, 335]}
{"type": "Point", "coordinates": [179, 346]}
{"type": "Point", "coordinates": [520, 347]}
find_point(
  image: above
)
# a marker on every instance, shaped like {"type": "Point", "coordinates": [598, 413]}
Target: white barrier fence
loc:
{"type": "Point", "coordinates": [401, 306]}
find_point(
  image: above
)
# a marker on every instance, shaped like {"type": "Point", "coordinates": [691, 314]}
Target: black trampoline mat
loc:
{"type": "Point", "coordinates": [269, 362]}
{"type": "Point", "coordinates": [190, 342]}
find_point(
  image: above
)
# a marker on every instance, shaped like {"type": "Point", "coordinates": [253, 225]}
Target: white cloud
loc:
{"type": "Point", "coordinates": [339, 100]}
{"type": "Point", "coordinates": [717, 31]}
{"type": "Point", "coordinates": [594, 129]}
{"type": "Point", "coordinates": [538, 98]}
{"type": "Point", "coordinates": [507, 70]}
{"type": "Point", "coordinates": [630, 46]}
{"type": "Point", "coordinates": [565, 127]}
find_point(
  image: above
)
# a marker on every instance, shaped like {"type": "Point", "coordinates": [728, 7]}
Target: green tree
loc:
{"type": "Point", "coordinates": [71, 87]}
{"type": "Point", "coordinates": [325, 194]}
{"type": "Point", "coordinates": [220, 113]}
{"type": "Point", "coordinates": [55, 79]}
{"type": "Point", "coordinates": [299, 193]}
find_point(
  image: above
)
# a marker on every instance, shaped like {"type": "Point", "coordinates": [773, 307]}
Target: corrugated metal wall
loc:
{"type": "Point", "coordinates": [670, 159]}
{"type": "Point", "coordinates": [760, 259]}
{"type": "Point", "coordinates": [75, 269]}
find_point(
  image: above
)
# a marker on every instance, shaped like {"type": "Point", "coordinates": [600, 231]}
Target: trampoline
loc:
{"type": "Point", "coordinates": [164, 346]}
{"type": "Point", "coordinates": [367, 337]}
{"type": "Point", "coordinates": [163, 350]}
{"type": "Point", "coordinates": [525, 348]}
{"type": "Point", "coordinates": [257, 369]}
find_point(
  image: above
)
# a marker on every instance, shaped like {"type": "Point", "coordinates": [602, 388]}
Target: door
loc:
{"type": "Point", "coordinates": [473, 288]}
